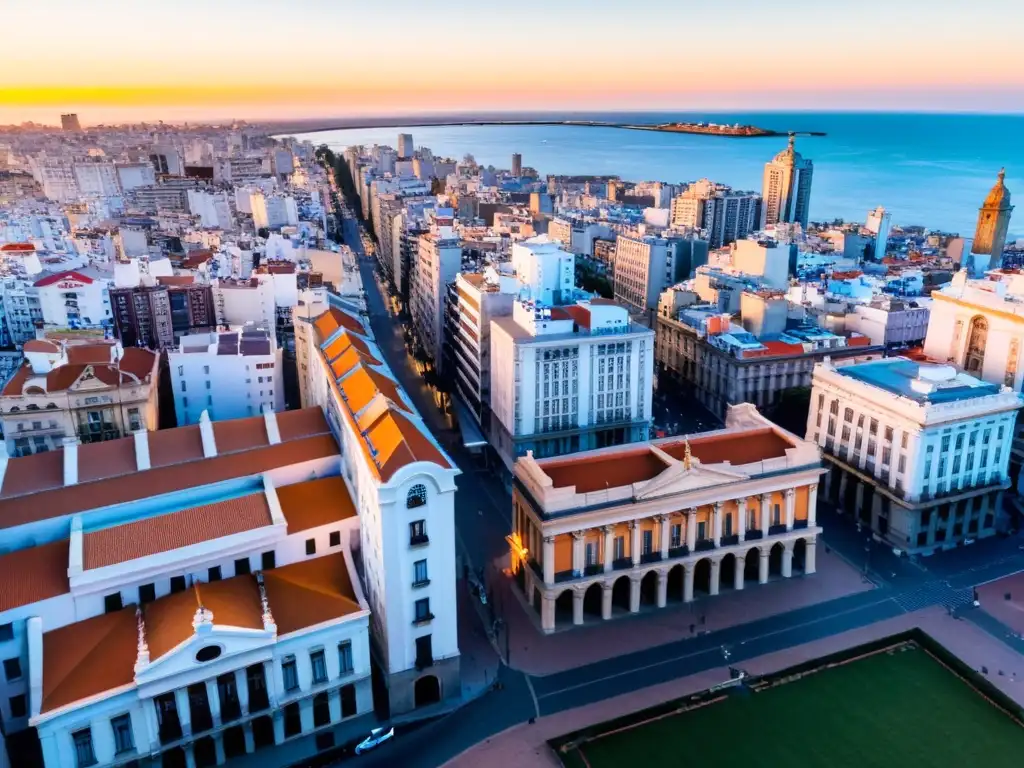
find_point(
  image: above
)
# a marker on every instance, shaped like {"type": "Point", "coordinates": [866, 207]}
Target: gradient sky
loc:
{"type": "Point", "coordinates": [113, 60]}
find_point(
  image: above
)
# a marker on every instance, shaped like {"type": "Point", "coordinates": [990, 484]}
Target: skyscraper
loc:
{"type": "Point", "coordinates": [993, 220]}
{"type": "Point", "coordinates": [517, 165]}
{"type": "Point", "coordinates": [787, 187]}
{"type": "Point", "coordinates": [405, 146]}
{"type": "Point", "coordinates": [70, 123]}
{"type": "Point", "coordinates": [879, 223]}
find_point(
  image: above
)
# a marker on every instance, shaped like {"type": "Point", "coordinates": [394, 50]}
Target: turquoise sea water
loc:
{"type": "Point", "coordinates": [932, 170]}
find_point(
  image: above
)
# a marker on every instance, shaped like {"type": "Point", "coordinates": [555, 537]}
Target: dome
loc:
{"type": "Point", "coordinates": [999, 196]}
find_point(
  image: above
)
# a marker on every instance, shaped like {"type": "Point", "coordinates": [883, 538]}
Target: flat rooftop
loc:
{"type": "Point", "coordinates": [923, 383]}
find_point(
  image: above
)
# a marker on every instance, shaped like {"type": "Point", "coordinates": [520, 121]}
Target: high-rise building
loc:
{"type": "Point", "coordinates": [156, 316]}
{"type": "Point", "coordinates": [879, 223]}
{"type": "Point", "coordinates": [70, 122]}
{"type": "Point", "coordinates": [405, 146]}
{"type": "Point", "coordinates": [439, 260]}
{"type": "Point", "coordinates": [647, 265]}
{"type": "Point", "coordinates": [993, 221]}
{"type": "Point", "coordinates": [787, 187]}
{"type": "Point", "coordinates": [517, 165]}
{"type": "Point", "coordinates": [730, 216]}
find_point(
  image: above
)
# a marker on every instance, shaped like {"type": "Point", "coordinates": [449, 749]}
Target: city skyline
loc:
{"type": "Point", "coordinates": [356, 61]}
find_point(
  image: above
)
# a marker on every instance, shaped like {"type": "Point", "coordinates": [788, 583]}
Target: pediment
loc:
{"type": "Point", "coordinates": [678, 479]}
{"type": "Point", "coordinates": [208, 647]}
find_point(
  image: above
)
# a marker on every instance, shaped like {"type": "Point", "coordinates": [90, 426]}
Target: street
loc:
{"type": "Point", "coordinates": [482, 521]}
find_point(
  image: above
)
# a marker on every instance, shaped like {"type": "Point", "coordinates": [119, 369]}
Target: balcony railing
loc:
{"type": "Point", "coordinates": [650, 557]}
{"type": "Point", "coordinates": [622, 563]}
{"type": "Point", "coordinates": [418, 539]}
{"type": "Point", "coordinates": [800, 524]}
{"type": "Point", "coordinates": [680, 551]}
{"type": "Point", "coordinates": [775, 529]}
{"type": "Point", "coordinates": [753, 534]}
{"type": "Point", "coordinates": [704, 545]}
{"type": "Point", "coordinates": [728, 541]}
{"type": "Point", "coordinates": [565, 576]}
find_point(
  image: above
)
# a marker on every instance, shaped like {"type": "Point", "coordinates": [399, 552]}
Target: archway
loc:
{"type": "Point", "coordinates": [775, 560]}
{"type": "Point", "coordinates": [427, 691]}
{"type": "Point", "coordinates": [563, 608]}
{"type": "Point", "coordinates": [675, 583]}
{"type": "Point", "coordinates": [752, 565]}
{"type": "Point", "coordinates": [727, 573]}
{"type": "Point", "coordinates": [977, 338]}
{"type": "Point", "coordinates": [592, 600]}
{"type": "Point", "coordinates": [702, 577]}
{"type": "Point", "coordinates": [649, 588]}
{"type": "Point", "coordinates": [799, 555]}
{"type": "Point", "coordinates": [620, 593]}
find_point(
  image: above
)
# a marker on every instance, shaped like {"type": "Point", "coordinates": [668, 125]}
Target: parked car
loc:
{"type": "Point", "coordinates": [377, 737]}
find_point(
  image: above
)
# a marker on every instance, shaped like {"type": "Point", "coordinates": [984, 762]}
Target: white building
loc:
{"type": "Point", "coordinates": [406, 148]}
{"type": "Point", "coordinates": [917, 451]}
{"type": "Point", "coordinates": [212, 208]}
{"type": "Point", "coordinates": [439, 260]}
{"type": "Point", "coordinates": [878, 223]}
{"type": "Point", "coordinates": [568, 378]}
{"type": "Point", "coordinates": [405, 485]}
{"type": "Point", "coordinates": [545, 270]}
{"type": "Point", "coordinates": [248, 300]}
{"type": "Point", "coordinates": [768, 261]}
{"type": "Point", "coordinates": [228, 375]}
{"type": "Point", "coordinates": [97, 179]}
{"type": "Point", "coordinates": [72, 299]}
{"type": "Point", "coordinates": [185, 596]}
{"type": "Point", "coordinates": [645, 265]}
{"type": "Point", "coordinates": [132, 175]}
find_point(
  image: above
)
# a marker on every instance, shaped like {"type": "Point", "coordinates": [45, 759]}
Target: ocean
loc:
{"type": "Point", "coordinates": [932, 170]}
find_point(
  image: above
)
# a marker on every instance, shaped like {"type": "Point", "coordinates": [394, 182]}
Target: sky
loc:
{"type": "Point", "coordinates": [115, 60]}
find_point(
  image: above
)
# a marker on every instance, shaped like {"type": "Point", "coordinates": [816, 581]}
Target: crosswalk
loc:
{"type": "Point", "coordinates": [934, 593]}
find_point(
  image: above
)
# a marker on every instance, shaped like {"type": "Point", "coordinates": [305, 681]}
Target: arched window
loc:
{"type": "Point", "coordinates": [417, 496]}
{"type": "Point", "coordinates": [974, 358]}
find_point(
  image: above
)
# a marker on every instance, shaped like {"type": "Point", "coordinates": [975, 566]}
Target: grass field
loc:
{"type": "Point", "coordinates": [899, 708]}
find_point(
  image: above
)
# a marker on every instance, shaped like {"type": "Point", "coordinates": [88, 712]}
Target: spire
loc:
{"type": "Point", "coordinates": [687, 457]}
{"type": "Point", "coordinates": [1002, 176]}
{"type": "Point", "coordinates": [792, 141]}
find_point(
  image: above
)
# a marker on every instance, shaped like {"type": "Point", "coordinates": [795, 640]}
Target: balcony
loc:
{"type": "Point", "coordinates": [593, 569]}
{"type": "Point", "coordinates": [423, 618]}
{"type": "Point", "coordinates": [680, 551]}
{"type": "Point", "coordinates": [728, 541]}
{"type": "Point", "coordinates": [230, 708]}
{"type": "Point", "coordinates": [800, 524]}
{"type": "Point", "coordinates": [753, 534]}
{"type": "Point", "coordinates": [704, 545]}
{"type": "Point", "coordinates": [650, 557]}
{"type": "Point", "coordinates": [776, 529]}
{"type": "Point", "coordinates": [418, 540]}
{"type": "Point", "coordinates": [622, 563]}
{"type": "Point", "coordinates": [565, 576]}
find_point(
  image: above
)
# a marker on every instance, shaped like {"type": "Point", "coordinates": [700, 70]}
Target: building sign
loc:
{"type": "Point", "coordinates": [69, 285]}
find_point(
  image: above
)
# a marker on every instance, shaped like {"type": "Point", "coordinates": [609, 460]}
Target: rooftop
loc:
{"type": "Point", "coordinates": [30, 575]}
{"type": "Point", "coordinates": [315, 503]}
{"type": "Point", "coordinates": [923, 383]}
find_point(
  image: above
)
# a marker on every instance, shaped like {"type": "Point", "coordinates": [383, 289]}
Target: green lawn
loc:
{"type": "Point", "coordinates": [892, 709]}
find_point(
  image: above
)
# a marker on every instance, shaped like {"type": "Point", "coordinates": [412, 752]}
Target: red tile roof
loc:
{"type": "Point", "coordinates": [309, 592]}
{"type": "Point", "coordinates": [239, 434]}
{"type": "Point", "coordinates": [738, 447]}
{"type": "Point", "coordinates": [315, 503]}
{"type": "Point", "coordinates": [163, 533]}
{"type": "Point", "coordinates": [33, 574]}
{"type": "Point", "coordinates": [42, 345]}
{"type": "Point", "coordinates": [69, 274]}
{"type": "Point", "coordinates": [20, 247]}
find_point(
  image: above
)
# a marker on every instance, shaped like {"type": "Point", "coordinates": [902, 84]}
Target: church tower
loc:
{"type": "Point", "coordinates": [993, 221]}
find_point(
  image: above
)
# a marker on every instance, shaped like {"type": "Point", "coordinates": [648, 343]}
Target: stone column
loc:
{"type": "Point", "coordinates": [577, 553]}
{"type": "Point", "coordinates": [738, 576]}
{"type": "Point", "coordinates": [334, 706]}
{"type": "Point", "coordinates": [190, 756]}
{"type": "Point", "coordinates": [812, 505]}
{"type": "Point", "coordinates": [716, 575]}
{"type": "Point", "coordinates": [608, 539]}
{"type": "Point", "coordinates": [717, 523]}
{"type": "Point", "coordinates": [218, 745]}
{"type": "Point", "coordinates": [787, 560]}
{"type": "Point", "coordinates": [271, 678]}
{"type": "Point", "coordinates": [242, 684]}
{"type": "Point", "coordinates": [152, 724]}
{"type": "Point", "coordinates": [547, 613]}
{"type": "Point", "coordinates": [213, 696]}
{"type": "Point", "coordinates": [278, 717]}
{"type": "Point", "coordinates": [184, 710]}
{"type": "Point", "coordinates": [762, 567]}
{"type": "Point", "coordinates": [766, 506]}
{"type": "Point", "coordinates": [634, 542]}
{"type": "Point", "coordinates": [790, 508]}
{"type": "Point", "coordinates": [549, 560]}
{"type": "Point", "coordinates": [606, 601]}
{"type": "Point", "coordinates": [691, 529]}
{"type": "Point", "coordinates": [741, 518]}
{"type": "Point", "coordinates": [663, 535]}
{"type": "Point", "coordinates": [662, 589]}
{"type": "Point", "coordinates": [688, 574]}
{"type": "Point", "coordinates": [809, 557]}
{"type": "Point", "coordinates": [634, 593]}
{"type": "Point", "coordinates": [250, 741]}
{"type": "Point", "coordinates": [577, 607]}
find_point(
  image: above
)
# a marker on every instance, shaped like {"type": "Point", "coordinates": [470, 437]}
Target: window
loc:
{"type": "Point", "coordinates": [590, 554]}
{"type": "Point", "coordinates": [134, 420]}
{"type": "Point", "coordinates": [424, 652]}
{"type": "Point", "coordinates": [848, 415]}
{"type": "Point", "coordinates": [345, 657]}
{"type": "Point", "coordinates": [83, 747]}
{"type": "Point", "coordinates": [648, 542]}
{"type": "Point", "coordinates": [335, 540]}
{"type": "Point", "coordinates": [184, 386]}
{"type": "Point", "coordinates": [675, 535]}
{"type": "Point", "coordinates": [702, 530]}
{"type": "Point", "coordinates": [18, 706]}
{"type": "Point", "coordinates": [418, 532]}
{"type": "Point", "coordinates": [214, 573]}
{"type": "Point", "coordinates": [348, 696]}
{"type": "Point", "coordinates": [112, 603]}
{"type": "Point", "coordinates": [12, 668]}
{"type": "Point", "coordinates": [290, 674]}
{"type": "Point", "coordinates": [147, 593]}
{"type": "Point", "coordinates": [873, 429]}
{"type": "Point", "coordinates": [242, 566]}
{"type": "Point", "coordinates": [269, 560]}
{"type": "Point", "coordinates": [319, 665]}
{"type": "Point", "coordinates": [727, 520]}
{"type": "Point", "coordinates": [423, 610]}
{"type": "Point", "coordinates": [123, 739]}
{"type": "Point", "coordinates": [177, 584]}
{"type": "Point", "coordinates": [888, 434]}
{"type": "Point", "coordinates": [310, 546]}
{"type": "Point", "coordinates": [417, 496]}
{"type": "Point", "coordinates": [420, 573]}
{"type": "Point", "coordinates": [292, 720]}
{"type": "Point", "coordinates": [619, 547]}
{"type": "Point", "coordinates": [321, 710]}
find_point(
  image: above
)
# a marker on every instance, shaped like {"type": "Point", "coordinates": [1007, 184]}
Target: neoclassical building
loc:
{"type": "Point", "coordinates": [612, 530]}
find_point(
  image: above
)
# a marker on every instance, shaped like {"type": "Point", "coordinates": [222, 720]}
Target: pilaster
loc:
{"type": "Point", "coordinates": [577, 607]}
{"type": "Point", "coordinates": [634, 593]}
{"type": "Point", "coordinates": [812, 505]}
{"type": "Point", "coordinates": [608, 540]}
{"type": "Point", "coordinates": [762, 567]}
{"type": "Point", "coordinates": [741, 518]}
{"type": "Point", "coordinates": [549, 560]}
{"type": "Point", "coordinates": [662, 589]}
{"type": "Point", "coordinates": [716, 575]}
{"type": "Point", "coordinates": [606, 601]}
{"type": "Point", "coordinates": [691, 529]}
{"type": "Point", "coordinates": [688, 573]}
{"type": "Point", "coordinates": [790, 508]}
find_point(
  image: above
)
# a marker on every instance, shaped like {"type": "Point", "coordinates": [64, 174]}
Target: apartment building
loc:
{"type": "Point", "coordinates": [918, 451]}
{"type": "Point", "coordinates": [438, 262]}
{"type": "Point", "coordinates": [157, 316]}
{"type": "Point", "coordinates": [616, 531]}
{"type": "Point", "coordinates": [646, 265]}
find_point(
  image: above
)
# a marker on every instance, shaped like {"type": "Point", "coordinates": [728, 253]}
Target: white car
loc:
{"type": "Point", "coordinates": [377, 737]}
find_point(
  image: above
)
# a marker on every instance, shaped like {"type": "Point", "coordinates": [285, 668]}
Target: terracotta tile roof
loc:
{"type": "Point", "coordinates": [16, 385]}
{"type": "Point", "coordinates": [348, 360]}
{"type": "Point", "coordinates": [344, 341]}
{"type": "Point", "coordinates": [174, 446]}
{"type": "Point", "coordinates": [21, 247]}
{"type": "Point", "coordinates": [42, 345]}
{"type": "Point", "coordinates": [138, 362]}
{"type": "Point", "coordinates": [61, 501]}
{"type": "Point", "coordinates": [84, 354]}
{"type": "Point", "coordinates": [737, 447]}
{"type": "Point", "coordinates": [302, 423]}
{"type": "Point", "coordinates": [89, 657]}
{"type": "Point", "coordinates": [68, 274]}
{"type": "Point", "coordinates": [175, 280]}
{"type": "Point", "coordinates": [394, 441]}
{"type": "Point", "coordinates": [111, 457]}
{"type": "Point", "coordinates": [580, 315]}
{"type": "Point", "coordinates": [240, 434]}
{"type": "Point", "coordinates": [315, 503]}
{"type": "Point", "coordinates": [309, 592]}
{"type": "Point", "coordinates": [363, 384]}
{"type": "Point", "coordinates": [163, 533]}
{"type": "Point", "coordinates": [612, 470]}
{"type": "Point", "coordinates": [33, 574]}
{"type": "Point", "coordinates": [330, 321]}
{"type": "Point", "coordinates": [37, 472]}
{"type": "Point", "coordinates": [600, 302]}
{"type": "Point", "coordinates": [169, 622]}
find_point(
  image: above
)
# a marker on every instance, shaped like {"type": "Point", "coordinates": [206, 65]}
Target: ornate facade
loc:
{"type": "Point", "coordinates": [611, 530]}
{"type": "Point", "coordinates": [993, 221]}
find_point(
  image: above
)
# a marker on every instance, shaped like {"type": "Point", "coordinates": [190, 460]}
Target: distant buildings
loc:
{"type": "Point", "coordinates": [787, 188]}
{"type": "Point", "coordinates": [610, 531]}
{"type": "Point", "coordinates": [724, 215]}
{"type": "Point", "coordinates": [439, 260]}
{"type": "Point", "coordinates": [645, 265]}
{"type": "Point", "coordinates": [517, 165]}
{"type": "Point", "coordinates": [406, 148]}
{"type": "Point", "coordinates": [157, 316]}
{"type": "Point", "coordinates": [918, 452]}
{"type": "Point", "coordinates": [69, 123]}
{"type": "Point", "coordinates": [879, 223]}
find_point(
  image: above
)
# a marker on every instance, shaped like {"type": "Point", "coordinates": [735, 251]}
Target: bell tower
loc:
{"type": "Point", "coordinates": [993, 221]}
